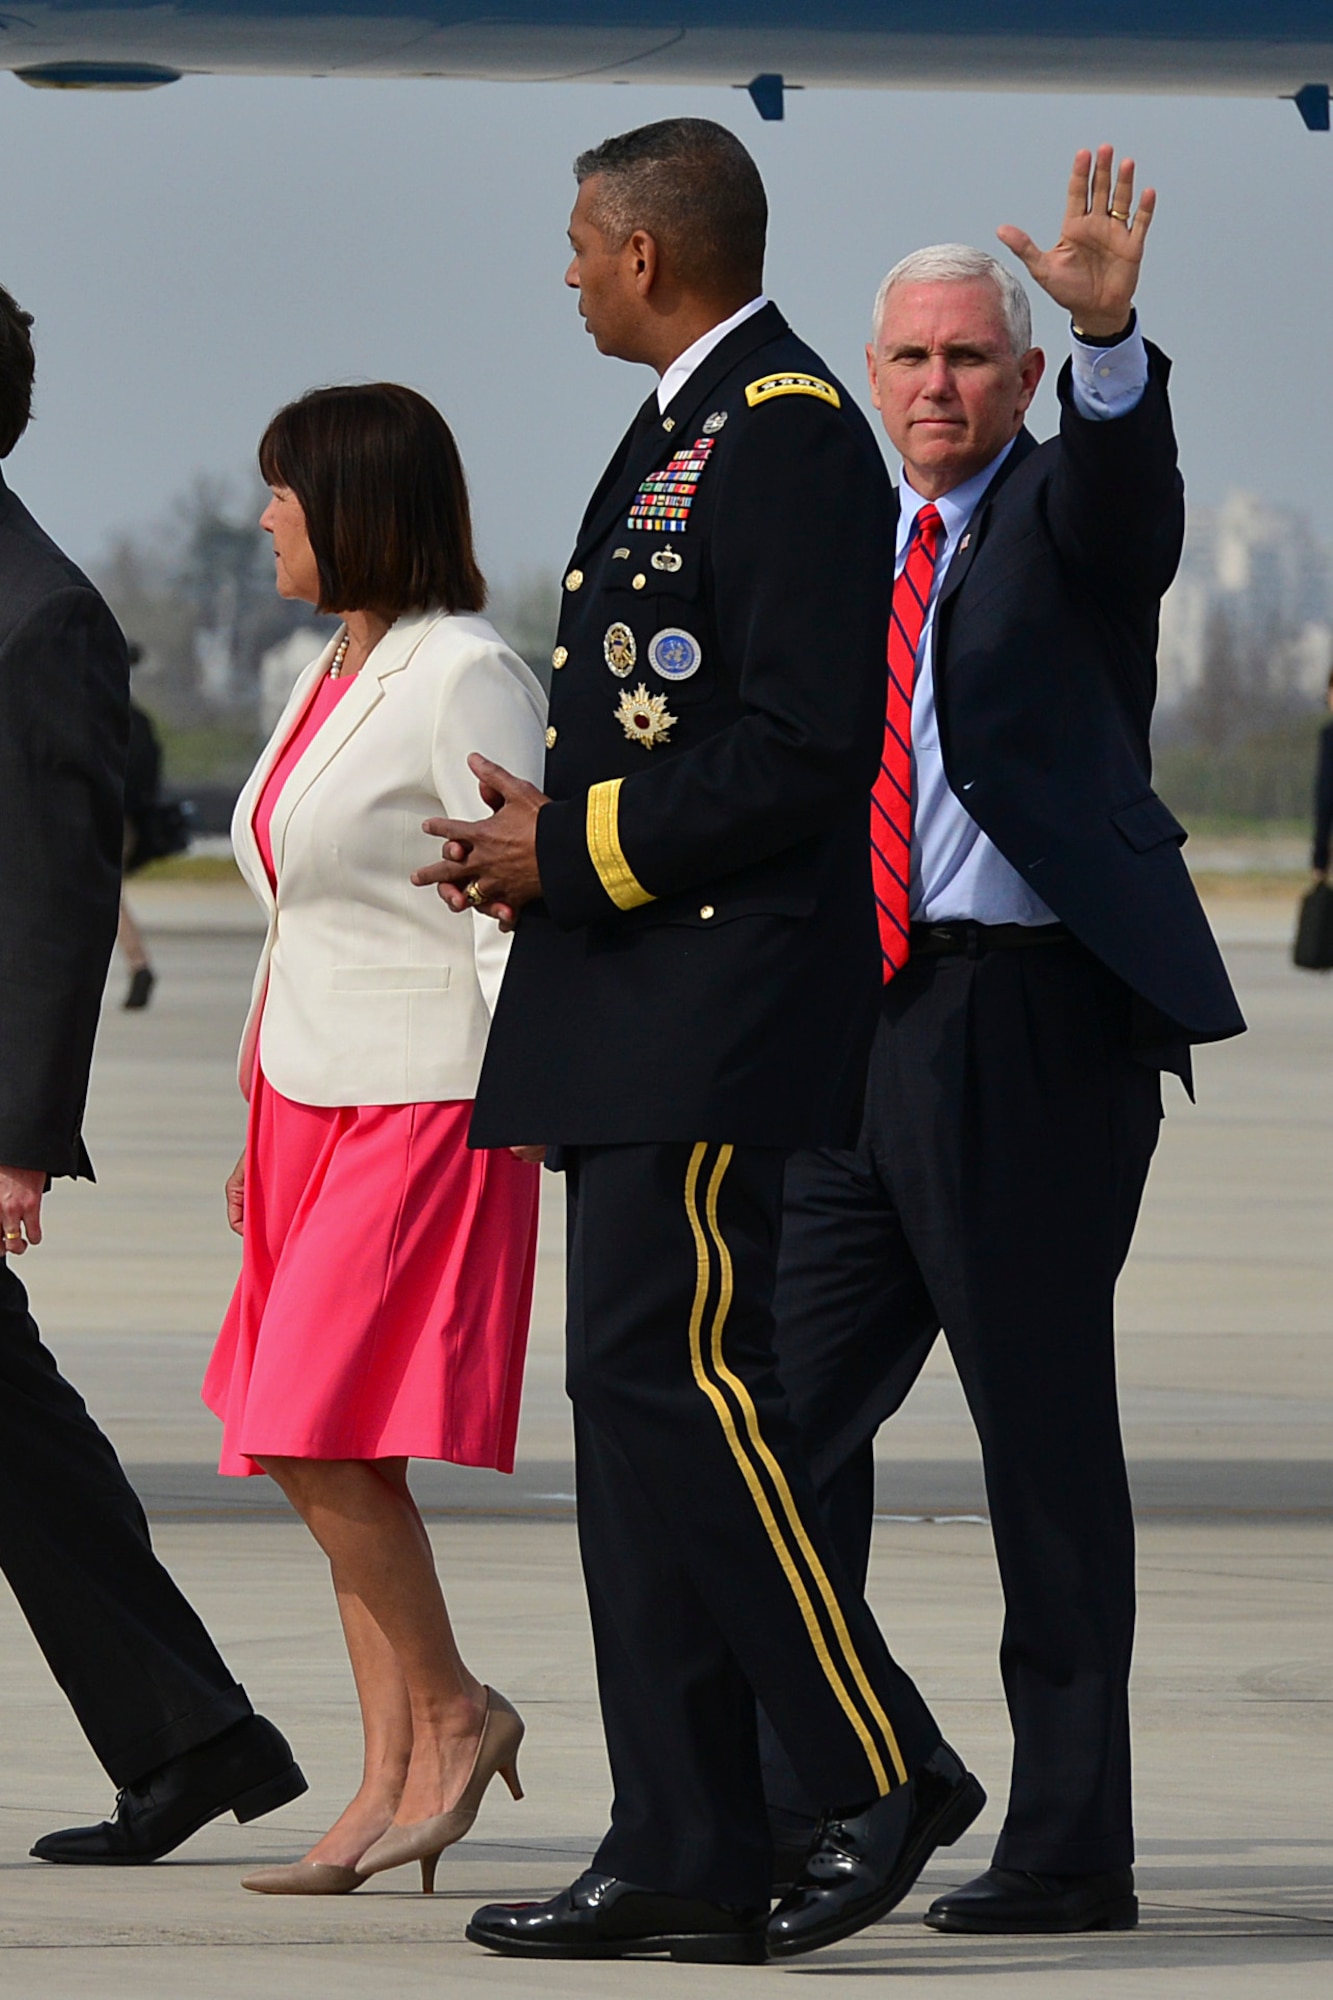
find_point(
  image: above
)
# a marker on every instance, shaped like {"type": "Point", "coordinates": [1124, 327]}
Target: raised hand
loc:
{"type": "Point", "coordinates": [1094, 268]}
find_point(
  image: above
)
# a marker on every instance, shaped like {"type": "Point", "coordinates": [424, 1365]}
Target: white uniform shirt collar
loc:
{"type": "Point", "coordinates": [684, 365]}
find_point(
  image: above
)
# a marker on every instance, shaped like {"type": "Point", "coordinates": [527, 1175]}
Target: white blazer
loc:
{"type": "Point", "coordinates": [368, 990]}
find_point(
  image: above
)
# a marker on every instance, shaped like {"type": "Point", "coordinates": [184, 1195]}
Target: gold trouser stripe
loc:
{"type": "Point", "coordinates": [786, 1498]}
{"type": "Point", "coordinates": [747, 1469]}
{"type": "Point", "coordinates": [608, 856]}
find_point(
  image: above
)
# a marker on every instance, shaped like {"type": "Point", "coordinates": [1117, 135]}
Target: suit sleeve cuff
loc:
{"type": "Point", "coordinates": [585, 874]}
{"type": "Point", "coordinates": [1109, 382]}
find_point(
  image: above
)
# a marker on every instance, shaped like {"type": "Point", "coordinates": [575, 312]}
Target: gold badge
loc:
{"type": "Point", "coordinates": [574, 581]}
{"type": "Point", "coordinates": [768, 386]}
{"type": "Point", "coordinates": [620, 650]}
{"type": "Point", "coordinates": [645, 718]}
{"type": "Point", "coordinates": [666, 559]}
{"type": "Point", "coordinates": [550, 737]}
{"type": "Point", "coordinates": [559, 656]}
{"type": "Point", "coordinates": [713, 424]}
{"type": "Point", "coordinates": [620, 555]}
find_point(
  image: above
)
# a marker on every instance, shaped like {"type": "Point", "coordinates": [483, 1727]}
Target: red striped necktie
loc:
{"type": "Point", "coordinates": [891, 800]}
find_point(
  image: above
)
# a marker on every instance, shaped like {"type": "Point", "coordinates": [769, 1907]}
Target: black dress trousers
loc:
{"type": "Point", "coordinates": [142, 1675]}
{"type": "Point", "coordinates": [1007, 1138]}
{"type": "Point", "coordinates": [710, 1577]}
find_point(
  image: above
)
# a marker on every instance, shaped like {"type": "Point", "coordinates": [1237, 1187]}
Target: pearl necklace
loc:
{"type": "Point", "coordinates": [336, 663]}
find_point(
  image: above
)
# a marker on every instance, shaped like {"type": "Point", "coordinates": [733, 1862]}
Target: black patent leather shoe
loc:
{"type": "Point", "coordinates": [863, 1864]}
{"type": "Point", "coordinates": [248, 1770]}
{"type": "Point", "coordinates": [1009, 1902]}
{"type": "Point", "coordinates": [601, 1917]}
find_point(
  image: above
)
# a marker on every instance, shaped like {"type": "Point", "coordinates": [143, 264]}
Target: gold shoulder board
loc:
{"type": "Point", "coordinates": [769, 386]}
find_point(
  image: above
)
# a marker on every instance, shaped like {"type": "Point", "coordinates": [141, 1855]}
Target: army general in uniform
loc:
{"type": "Point", "coordinates": [691, 995]}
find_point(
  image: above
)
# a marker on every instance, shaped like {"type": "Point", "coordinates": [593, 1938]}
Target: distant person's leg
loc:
{"type": "Point", "coordinates": [130, 940]}
{"type": "Point", "coordinates": [146, 1682]}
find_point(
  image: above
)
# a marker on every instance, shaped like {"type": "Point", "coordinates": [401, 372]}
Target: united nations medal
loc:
{"type": "Point", "coordinates": [645, 718]}
{"type": "Point", "coordinates": [674, 654]}
{"type": "Point", "coordinates": [620, 650]}
{"type": "Point", "coordinates": [666, 559]}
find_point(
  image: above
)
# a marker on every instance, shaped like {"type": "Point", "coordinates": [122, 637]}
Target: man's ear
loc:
{"type": "Point", "coordinates": [645, 262]}
{"type": "Point", "coordinates": [872, 371]}
{"type": "Point", "coordinates": [1030, 371]}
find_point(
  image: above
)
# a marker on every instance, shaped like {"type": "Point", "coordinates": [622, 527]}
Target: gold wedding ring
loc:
{"type": "Point", "coordinates": [1119, 214]}
{"type": "Point", "coordinates": [474, 895]}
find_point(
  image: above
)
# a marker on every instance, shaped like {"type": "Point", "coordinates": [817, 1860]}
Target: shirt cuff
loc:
{"type": "Point", "coordinates": [1109, 381]}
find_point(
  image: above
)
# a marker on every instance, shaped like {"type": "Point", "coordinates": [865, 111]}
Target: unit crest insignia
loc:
{"type": "Point", "coordinates": [674, 654]}
{"type": "Point", "coordinates": [645, 718]}
{"type": "Point", "coordinates": [620, 650]}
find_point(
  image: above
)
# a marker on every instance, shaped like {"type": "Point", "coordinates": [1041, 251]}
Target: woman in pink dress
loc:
{"type": "Point", "coordinates": [382, 1308]}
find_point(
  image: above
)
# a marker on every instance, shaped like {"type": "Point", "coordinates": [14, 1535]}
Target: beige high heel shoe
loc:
{"type": "Point", "coordinates": [304, 1878]}
{"type": "Point", "coordinates": [426, 1839]}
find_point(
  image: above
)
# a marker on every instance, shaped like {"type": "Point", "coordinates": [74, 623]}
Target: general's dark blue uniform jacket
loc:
{"type": "Point", "coordinates": [1045, 679]}
{"type": "Point", "coordinates": [704, 963]}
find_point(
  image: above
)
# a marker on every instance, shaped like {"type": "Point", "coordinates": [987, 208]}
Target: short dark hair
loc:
{"type": "Point", "coordinates": [691, 184]}
{"type": "Point", "coordinates": [382, 487]}
{"type": "Point", "coordinates": [18, 365]}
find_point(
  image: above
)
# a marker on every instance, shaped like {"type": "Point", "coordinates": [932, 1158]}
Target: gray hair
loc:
{"type": "Point", "coordinates": [955, 263]}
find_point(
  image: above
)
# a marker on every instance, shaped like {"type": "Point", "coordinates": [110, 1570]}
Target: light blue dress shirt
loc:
{"type": "Point", "coordinates": [957, 873]}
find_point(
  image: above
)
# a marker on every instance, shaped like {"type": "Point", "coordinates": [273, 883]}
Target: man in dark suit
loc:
{"type": "Point", "coordinates": [1045, 956]}
{"type": "Point", "coordinates": [691, 994]}
{"type": "Point", "coordinates": [174, 1731]}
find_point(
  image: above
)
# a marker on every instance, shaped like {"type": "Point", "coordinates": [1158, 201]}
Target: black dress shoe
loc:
{"type": "Point", "coordinates": [789, 1864]}
{"type": "Point", "coordinates": [247, 1770]}
{"type": "Point", "coordinates": [1010, 1902]}
{"type": "Point", "coordinates": [862, 1864]}
{"type": "Point", "coordinates": [140, 992]}
{"type": "Point", "coordinates": [600, 1917]}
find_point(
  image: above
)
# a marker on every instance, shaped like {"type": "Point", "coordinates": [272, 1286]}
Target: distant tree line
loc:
{"type": "Point", "coordinates": [195, 592]}
{"type": "Point", "coordinates": [1241, 744]}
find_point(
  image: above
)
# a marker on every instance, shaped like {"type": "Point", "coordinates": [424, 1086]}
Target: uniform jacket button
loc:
{"type": "Point", "coordinates": [550, 737]}
{"type": "Point", "coordinates": [559, 656]}
{"type": "Point", "coordinates": [574, 581]}
{"type": "Point", "coordinates": [707, 910]}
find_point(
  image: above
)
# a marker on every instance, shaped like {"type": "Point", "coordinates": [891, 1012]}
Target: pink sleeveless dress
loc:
{"type": "Point", "coordinates": [386, 1275]}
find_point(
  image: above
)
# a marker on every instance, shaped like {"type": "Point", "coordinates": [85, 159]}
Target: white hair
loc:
{"type": "Point", "coordinates": [955, 263]}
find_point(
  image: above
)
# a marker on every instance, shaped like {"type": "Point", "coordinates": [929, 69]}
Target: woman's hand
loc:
{"type": "Point", "coordinates": [21, 1190]}
{"type": "Point", "coordinates": [236, 1197]}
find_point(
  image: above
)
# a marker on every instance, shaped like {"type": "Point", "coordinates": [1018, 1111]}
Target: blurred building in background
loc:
{"type": "Point", "coordinates": [1246, 649]}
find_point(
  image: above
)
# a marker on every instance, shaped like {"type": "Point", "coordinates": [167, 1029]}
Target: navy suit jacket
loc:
{"type": "Point", "coordinates": [1046, 676]}
{"type": "Point", "coordinates": [64, 719]}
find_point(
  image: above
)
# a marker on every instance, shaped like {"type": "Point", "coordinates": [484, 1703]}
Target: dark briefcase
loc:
{"type": "Point", "coordinates": [1314, 930]}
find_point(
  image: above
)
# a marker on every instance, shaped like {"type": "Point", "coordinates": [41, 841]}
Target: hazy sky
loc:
{"type": "Point", "coordinates": [197, 256]}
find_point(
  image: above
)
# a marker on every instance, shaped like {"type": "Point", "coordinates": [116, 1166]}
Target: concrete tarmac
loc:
{"type": "Point", "coordinates": [1226, 1327]}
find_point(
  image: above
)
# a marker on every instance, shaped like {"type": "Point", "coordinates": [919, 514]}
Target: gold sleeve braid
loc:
{"type": "Point", "coordinates": [608, 857]}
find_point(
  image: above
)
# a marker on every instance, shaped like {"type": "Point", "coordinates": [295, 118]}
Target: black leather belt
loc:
{"type": "Point", "coordinates": [974, 940]}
